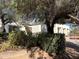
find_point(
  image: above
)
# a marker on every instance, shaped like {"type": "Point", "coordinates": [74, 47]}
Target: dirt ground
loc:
{"type": "Point", "coordinates": [72, 50]}
{"type": "Point", "coordinates": [38, 54]}
{"type": "Point", "coordinates": [23, 54]}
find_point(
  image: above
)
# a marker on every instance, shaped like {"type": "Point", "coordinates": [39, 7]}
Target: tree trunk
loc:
{"type": "Point", "coordinates": [53, 22]}
{"type": "Point", "coordinates": [57, 17]}
{"type": "Point", "coordinates": [48, 26]}
{"type": "Point", "coordinates": [47, 22]}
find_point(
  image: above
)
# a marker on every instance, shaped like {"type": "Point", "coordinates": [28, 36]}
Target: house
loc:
{"type": "Point", "coordinates": [61, 28]}
{"type": "Point", "coordinates": [34, 28]}
{"type": "Point", "coordinates": [58, 28]}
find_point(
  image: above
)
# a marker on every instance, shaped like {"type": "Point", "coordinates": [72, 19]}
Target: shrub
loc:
{"type": "Point", "coordinates": [44, 40]}
{"type": "Point", "coordinates": [49, 43]}
{"type": "Point", "coordinates": [52, 43]}
{"type": "Point", "coordinates": [17, 38]}
{"type": "Point", "coordinates": [31, 41]}
{"type": "Point", "coordinates": [1, 34]}
{"type": "Point", "coordinates": [57, 45]}
{"type": "Point", "coordinates": [21, 39]}
{"type": "Point", "coordinates": [8, 44]}
{"type": "Point", "coordinates": [12, 38]}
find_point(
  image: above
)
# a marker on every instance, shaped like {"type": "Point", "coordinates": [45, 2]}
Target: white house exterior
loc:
{"type": "Point", "coordinates": [38, 28]}
{"type": "Point", "coordinates": [35, 28]}
{"type": "Point", "coordinates": [58, 28]}
{"type": "Point", "coordinates": [61, 28]}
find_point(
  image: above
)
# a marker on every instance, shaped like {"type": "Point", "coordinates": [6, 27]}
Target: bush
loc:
{"type": "Point", "coordinates": [49, 43]}
{"type": "Point", "coordinates": [57, 45]}
{"type": "Point", "coordinates": [44, 40]}
{"type": "Point", "coordinates": [17, 38]}
{"type": "Point", "coordinates": [52, 43]}
{"type": "Point", "coordinates": [21, 39]}
{"type": "Point", "coordinates": [12, 38]}
{"type": "Point", "coordinates": [31, 41]}
{"type": "Point", "coordinates": [1, 34]}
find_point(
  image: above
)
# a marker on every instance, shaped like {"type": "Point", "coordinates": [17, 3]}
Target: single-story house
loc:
{"type": "Point", "coordinates": [61, 28]}
{"type": "Point", "coordinates": [58, 28]}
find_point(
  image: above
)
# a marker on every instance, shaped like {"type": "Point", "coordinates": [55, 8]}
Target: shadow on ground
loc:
{"type": "Point", "coordinates": [72, 50]}
{"type": "Point", "coordinates": [72, 45]}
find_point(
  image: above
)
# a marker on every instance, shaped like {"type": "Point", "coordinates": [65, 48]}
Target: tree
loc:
{"type": "Point", "coordinates": [50, 10]}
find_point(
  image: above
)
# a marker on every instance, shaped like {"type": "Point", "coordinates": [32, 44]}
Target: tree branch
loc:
{"type": "Point", "coordinates": [74, 18]}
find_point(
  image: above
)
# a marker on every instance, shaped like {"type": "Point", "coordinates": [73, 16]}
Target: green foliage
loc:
{"type": "Point", "coordinates": [21, 39]}
{"type": "Point", "coordinates": [50, 7]}
{"type": "Point", "coordinates": [12, 38]}
{"type": "Point", "coordinates": [1, 34]}
{"type": "Point", "coordinates": [9, 43]}
{"type": "Point", "coordinates": [17, 38]}
{"type": "Point", "coordinates": [52, 43]}
{"type": "Point", "coordinates": [44, 40]}
{"type": "Point", "coordinates": [59, 43]}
